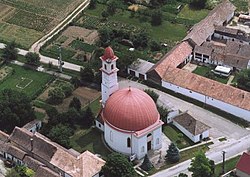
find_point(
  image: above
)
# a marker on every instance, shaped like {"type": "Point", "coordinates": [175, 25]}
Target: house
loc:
{"type": "Point", "coordinates": [46, 157]}
{"type": "Point", "coordinates": [231, 54]}
{"type": "Point", "coordinates": [177, 57]}
{"type": "Point", "coordinates": [224, 97]}
{"type": "Point", "coordinates": [243, 165]}
{"type": "Point", "coordinates": [139, 68]}
{"type": "Point", "coordinates": [192, 128]}
{"type": "Point", "coordinates": [204, 30]}
{"type": "Point", "coordinates": [33, 126]}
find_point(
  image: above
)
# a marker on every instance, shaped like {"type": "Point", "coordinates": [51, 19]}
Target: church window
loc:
{"type": "Point", "coordinates": [105, 66]}
{"type": "Point", "coordinates": [112, 67]}
{"type": "Point", "coordinates": [157, 141]}
{"type": "Point", "coordinates": [111, 136]}
{"type": "Point", "coordinates": [128, 142]}
{"type": "Point", "coordinates": [142, 149]}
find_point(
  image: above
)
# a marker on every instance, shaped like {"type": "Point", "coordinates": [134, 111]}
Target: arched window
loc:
{"type": "Point", "coordinates": [105, 66]}
{"type": "Point", "coordinates": [149, 135]}
{"type": "Point", "coordinates": [128, 142]}
{"type": "Point", "coordinates": [112, 67]}
{"type": "Point", "coordinates": [111, 136]}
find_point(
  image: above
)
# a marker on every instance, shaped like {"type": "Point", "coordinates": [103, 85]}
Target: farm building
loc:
{"type": "Point", "coordinates": [139, 68]}
{"type": "Point", "coordinates": [33, 126]}
{"type": "Point", "coordinates": [192, 128]}
{"type": "Point", "coordinates": [46, 157]}
{"type": "Point", "coordinates": [243, 165]}
{"type": "Point", "coordinates": [129, 117]}
{"type": "Point", "coordinates": [232, 54]}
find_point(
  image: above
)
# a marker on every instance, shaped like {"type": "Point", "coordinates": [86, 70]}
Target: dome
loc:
{"type": "Point", "coordinates": [130, 110]}
{"type": "Point", "coordinates": [109, 54]}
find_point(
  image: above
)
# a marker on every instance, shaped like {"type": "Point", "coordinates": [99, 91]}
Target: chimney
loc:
{"type": "Point", "coordinates": [31, 143]}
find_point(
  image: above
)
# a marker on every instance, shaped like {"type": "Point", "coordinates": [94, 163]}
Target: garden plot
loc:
{"type": "Point", "coordinates": [5, 11]}
{"type": "Point", "coordinates": [4, 72]}
{"type": "Point", "coordinates": [75, 32]}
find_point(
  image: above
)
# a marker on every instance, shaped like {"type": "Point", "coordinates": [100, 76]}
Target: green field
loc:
{"type": "Point", "coordinates": [26, 21]}
{"type": "Point", "coordinates": [23, 36]}
{"type": "Point", "coordinates": [89, 139]}
{"type": "Point", "coordinates": [26, 80]}
{"type": "Point", "coordinates": [193, 14]}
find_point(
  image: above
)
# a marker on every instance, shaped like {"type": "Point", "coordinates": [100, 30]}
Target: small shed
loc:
{"type": "Point", "coordinates": [243, 165]}
{"type": "Point", "coordinates": [139, 68]}
{"type": "Point", "coordinates": [33, 126]}
{"type": "Point", "coordinates": [192, 128]}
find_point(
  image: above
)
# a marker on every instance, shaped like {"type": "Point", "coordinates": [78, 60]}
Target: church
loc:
{"type": "Point", "coordinates": [129, 117]}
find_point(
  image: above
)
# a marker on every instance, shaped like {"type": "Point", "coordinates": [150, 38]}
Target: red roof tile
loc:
{"type": "Point", "coordinates": [244, 163]}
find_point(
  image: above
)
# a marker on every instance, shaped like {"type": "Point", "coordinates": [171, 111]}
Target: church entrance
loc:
{"type": "Point", "coordinates": [149, 140]}
{"type": "Point", "coordinates": [149, 146]}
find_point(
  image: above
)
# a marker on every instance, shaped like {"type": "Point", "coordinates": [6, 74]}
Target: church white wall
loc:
{"type": "Point", "coordinates": [242, 113]}
{"type": "Point", "coordinates": [117, 140]}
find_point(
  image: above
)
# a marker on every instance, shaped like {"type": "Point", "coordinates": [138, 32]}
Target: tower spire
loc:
{"type": "Point", "coordinates": [109, 74]}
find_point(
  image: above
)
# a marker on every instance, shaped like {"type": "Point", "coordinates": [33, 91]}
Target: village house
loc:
{"type": "Point", "coordinates": [192, 128]}
{"type": "Point", "coordinates": [168, 74]}
{"type": "Point", "coordinates": [47, 158]}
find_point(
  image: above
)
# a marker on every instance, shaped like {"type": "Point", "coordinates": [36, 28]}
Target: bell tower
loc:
{"type": "Point", "coordinates": [109, 74]}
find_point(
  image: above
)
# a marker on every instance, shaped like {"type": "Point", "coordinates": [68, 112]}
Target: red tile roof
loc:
{"type": "Point", "coordinates": [173, 58]}
{"type": "Point", "coordinates": [208, 87]}
{"type": "Point", "coordinates": [244, 163]}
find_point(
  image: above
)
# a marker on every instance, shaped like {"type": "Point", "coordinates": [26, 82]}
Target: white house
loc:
{"type": "Point", "coordinates": [192, 128]}
{"type": "Point", "coordinates": [139, 68]}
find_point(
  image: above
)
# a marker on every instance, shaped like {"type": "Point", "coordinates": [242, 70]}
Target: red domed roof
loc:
{"type": "Point", "coordinates": [109, 54]}
{"type": "Point", "coordinates": [130, 109]}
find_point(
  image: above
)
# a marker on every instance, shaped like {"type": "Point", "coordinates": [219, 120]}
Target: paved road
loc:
{"type": "Point", "coordinates": [47, 60]}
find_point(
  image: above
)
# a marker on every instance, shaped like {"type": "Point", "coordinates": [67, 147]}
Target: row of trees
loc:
{"type": "Point", "coordinates": [10, 52]}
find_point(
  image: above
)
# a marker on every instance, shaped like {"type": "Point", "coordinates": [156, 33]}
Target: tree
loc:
{"type": "Point", "coordinates": [32, 58]}
{"type": "Point", "coordinates": [75, 103]}
{"type": "Point", "coordinates": [60, 134]}
{"type": "Point", "coordinates": [105, 14]}
{"type": "Point", "coordinates": [75, 81]}
{"type": "Point", "coordinates": [156, 18]}
{"type": "Point", "coordinates": [16, 110]}
{"type": "Point", "coordinates": [112, 6]}
{"type": "Point", "coordinates": [56, 95]}
{"type": "Point", "coordinates": [67, 88]}
{"type": "Point", "coordinates": [140, 40]}
{"type": "Point", "coordinates": [92, 4]}
{"type": "Point", "coordinates": [200, 166]}
{"type": "Point", "coordinates": [10, 52]}
{"type": "Point", "coordinates": [155, 46]}
{"type": "Point", "coordinates": [146, 164]}
{"type": "Point", "coordinates": [118, 165]}
{"type": "Point", "coordinates": [199, 4]}
{"type": "Point", "coordinates": [243, 79]}
{"type": "Point", "coordinates": [87, 74]}
{"type": "Point", "coordinates": [12, 173]}
{"type": "Point", "coordinates": [173, 154]}
{"type": "Point", "coordinates": [152, 94]}
{"type": "Point", "coordinates": [182, 175]}
{"type": "Point", "coordinates": [163, 113]}
{"type": "Point", "coordinates": [88, 117]}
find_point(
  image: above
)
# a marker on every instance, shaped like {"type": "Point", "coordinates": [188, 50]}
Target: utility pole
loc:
{"type": "Point", "coordinates": [60, 62]}
{"type": "Point", "coordinates": [223, 162]}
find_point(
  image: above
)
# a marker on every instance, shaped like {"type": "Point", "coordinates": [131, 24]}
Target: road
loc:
{"type": "Point", "coordinates": [37, 45]}
{"type": "Point", "coordinates": [47, 60]}
{"type": "Point", "coordinates": [238, 138]}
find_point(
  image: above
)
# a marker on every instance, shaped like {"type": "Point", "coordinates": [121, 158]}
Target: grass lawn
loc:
{"type": "Point", "coordinates": [40, 115]}
{"type": "Point", "coordinates": [37, 81]}
{"type": "Point", "coordinates": [95, 106]}
{"type": "Point", "coordinates": [193, 14]}
{"type": "Point", "coordinates": [89, 139]}
{"type": "Point", "coordinates": [229, 165]}
{"type": "Point", "coordinates": [203, 70]}
{"type": "Point", "coordinates": [185, 155]}
{"type": "Point", "coordinates": [172, 133]}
